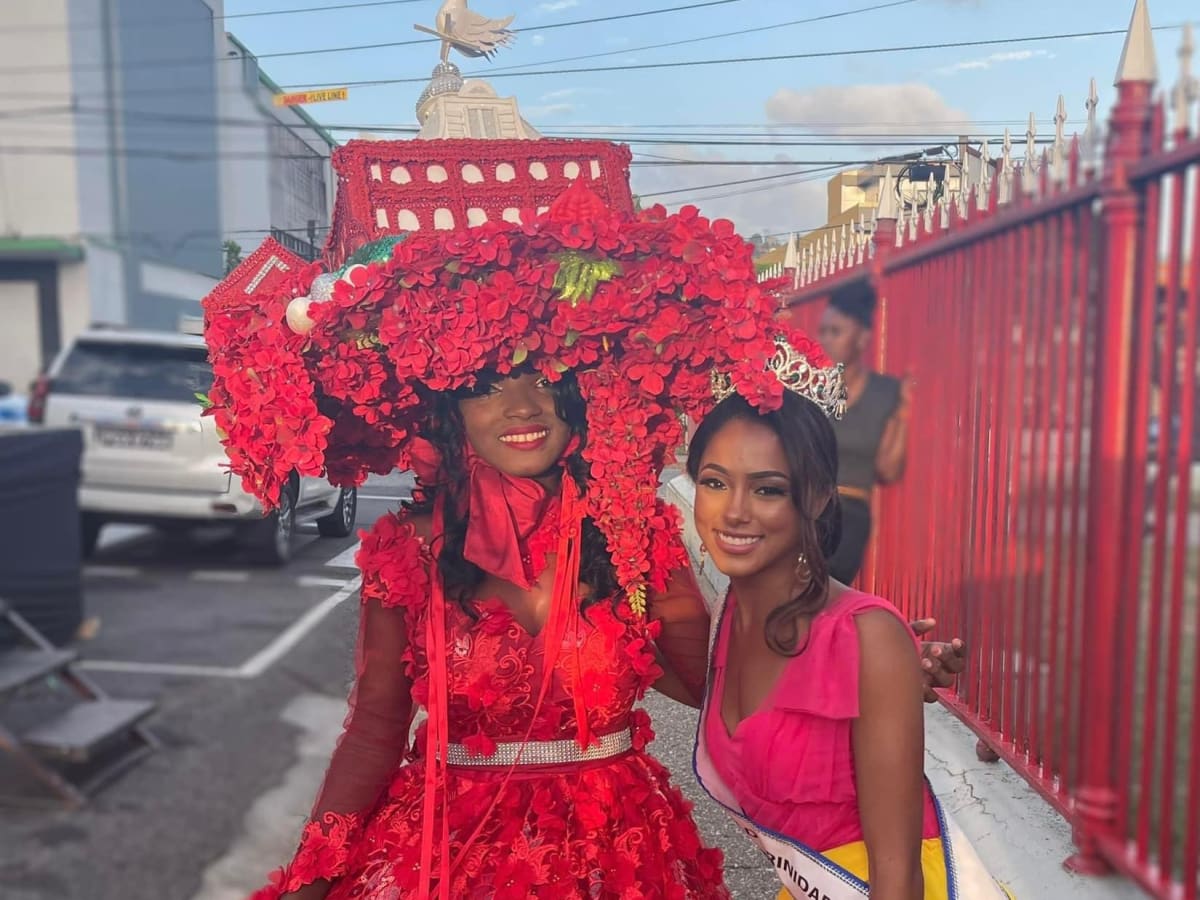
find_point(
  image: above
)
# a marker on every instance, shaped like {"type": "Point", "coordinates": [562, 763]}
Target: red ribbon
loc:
{"type": "Point", "coordinates": [504, 511]}
{"type": "Point", "coordinates": [563, 620]}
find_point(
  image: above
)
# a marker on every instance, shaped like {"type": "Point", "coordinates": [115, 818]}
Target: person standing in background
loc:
{"type": "Point", "coordinates": [872, 437]}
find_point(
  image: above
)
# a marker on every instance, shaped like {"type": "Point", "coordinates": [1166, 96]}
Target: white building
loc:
{"type": "Point", "coordinates": [138, 137]}
{"type": "Point", "coordinates": [277, 179]}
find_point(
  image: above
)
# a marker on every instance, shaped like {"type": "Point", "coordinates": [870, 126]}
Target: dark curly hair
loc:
{"type": "Point", "coordinates": [443, 427]}
{"type": "Point", "coordinates": [811, 450]}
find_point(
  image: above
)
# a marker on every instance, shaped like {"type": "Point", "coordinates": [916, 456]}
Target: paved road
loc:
{"type": "Point", "coordinates": [250, 667]}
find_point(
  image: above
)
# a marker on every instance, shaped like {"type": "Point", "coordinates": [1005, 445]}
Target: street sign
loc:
{"type": "Point", "coordinates": [312, 97]}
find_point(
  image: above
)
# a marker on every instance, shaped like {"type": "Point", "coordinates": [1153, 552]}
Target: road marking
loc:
{"type": "Point", "coordinates": [113, 535]}
{"type": "Point", "coordinates": [220, 575]}
{"type": "Point", "coordinates": [384, 497]}
{"type": "Point", "coordinates": [274, 651]}
{"type": "Point", "coordinates": [260, 661]}
{"type": "Point", "coordinates": [319, 581]}
{"type": "Point", "coordinates": [345, 559]}
{"type": "Point", "coordinates": [111, 572]}
{"type": "Point", "coordinates": [145, 668]}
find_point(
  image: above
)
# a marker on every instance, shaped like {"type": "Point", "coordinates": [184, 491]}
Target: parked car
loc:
{"type": "Point", "coordinates": [12, 406]}
{"type": "Point", "coordinates": [150, 457]}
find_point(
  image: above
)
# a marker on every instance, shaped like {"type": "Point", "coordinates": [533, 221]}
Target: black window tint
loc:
{"type": "Point", "coordinates": [135, 372]}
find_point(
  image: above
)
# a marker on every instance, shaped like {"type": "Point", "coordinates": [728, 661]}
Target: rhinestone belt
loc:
{"type": "Point", "coordinates": [543, 753]}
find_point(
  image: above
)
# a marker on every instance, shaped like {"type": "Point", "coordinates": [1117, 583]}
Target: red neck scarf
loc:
{"type": "Point", "coordinates": [503, 511]}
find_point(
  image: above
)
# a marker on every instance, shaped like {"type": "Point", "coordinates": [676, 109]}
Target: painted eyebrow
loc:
{"type": "Point", "coordinates": [721, 470]}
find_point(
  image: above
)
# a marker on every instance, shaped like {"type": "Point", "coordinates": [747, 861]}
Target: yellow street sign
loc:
{"type": "Point", "coordinates": [311, 97]}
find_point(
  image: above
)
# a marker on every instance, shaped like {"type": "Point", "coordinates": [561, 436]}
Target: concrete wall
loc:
{"type": "Point", "coordinates": [245, 182]}
{"type": "Point", "coordinates": [96, 115]}
{"type": "Point", "coordinates": [173, 204]}
{"type": "Point", "coordinates": [38, 174]}
{"type": "Point", "coordinates": [278, 187]}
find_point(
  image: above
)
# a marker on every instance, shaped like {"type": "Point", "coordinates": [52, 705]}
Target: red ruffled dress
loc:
{"type": "Point", "coordinates": [615, 827]}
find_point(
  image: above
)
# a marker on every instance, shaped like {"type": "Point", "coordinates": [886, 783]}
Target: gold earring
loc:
{"type": "Point", "coordinates": [803, 569]}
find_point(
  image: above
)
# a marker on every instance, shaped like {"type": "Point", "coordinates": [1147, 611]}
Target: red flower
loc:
{"type": "Point", "coordinates": [344, 400]}
{"type": "Point", "coordinates": [479, 744]}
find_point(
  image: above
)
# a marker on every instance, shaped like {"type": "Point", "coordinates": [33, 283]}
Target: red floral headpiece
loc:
{"type": "Point", "coordinates": [643, 310]}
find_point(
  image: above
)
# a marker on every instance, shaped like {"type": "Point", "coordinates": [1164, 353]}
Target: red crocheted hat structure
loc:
{"type": "Point", "coordinates": [327, 373]}
{"type": "Point", "coordinates": [397, 187]}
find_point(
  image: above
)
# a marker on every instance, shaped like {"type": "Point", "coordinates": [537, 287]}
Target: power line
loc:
{"type": "Point", "coordinates": [312, 9]}
{"type": "Point", "coordinates": [138, 121]}
{"type": "Point", "coordinates": [209, 60]}
{"type": "Point", "coordinates": [782, 57]}
{"type": "Point", "coordinates": [810, 128]}
{"type": "Point", "coordinates": [152, 153]}
{"type": "Point", "coordinates": [198, 155]}
{"type": "Point", "coordinates": [707, 198]}
{"type": "Point", "coordinates": [718, 184]}
{"type": "Point", "coordinates": [713, 37]}
{"type": "Point", "coordinates": [147, 119]}
{"type": "Point", "coordinates": [152, 23]}
{"type": "Point", "coordinates": [758, 129]}
{"type": "Point", "coordinates": [826, 54]}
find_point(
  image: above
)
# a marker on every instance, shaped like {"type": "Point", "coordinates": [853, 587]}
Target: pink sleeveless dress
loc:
{"type": "Point", "coordinates": [790, 764]}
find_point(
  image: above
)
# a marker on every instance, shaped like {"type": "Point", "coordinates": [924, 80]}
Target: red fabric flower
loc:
{"type": "Point", "coordinates": [679, 298]}
{"type": "Point", "coordinates": [325, 849]}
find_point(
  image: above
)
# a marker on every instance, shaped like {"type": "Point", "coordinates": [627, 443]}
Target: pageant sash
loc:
{"type": "Point", "coordinates": [952, 868]}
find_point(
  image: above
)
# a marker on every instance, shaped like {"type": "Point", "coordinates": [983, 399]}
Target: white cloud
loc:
{"type": "Point", "coordinates": [797, 202]}
{"type": "Point", "coordinates": [560, 94]}
{"type": "Point", "coordinates": [537, 40]}
{"type": "Point", "coordinates": [894, 108]}
{"type": "Point", "coordinates": [557, 5]}
{"type": "Point", "coordinates": [993, 59]}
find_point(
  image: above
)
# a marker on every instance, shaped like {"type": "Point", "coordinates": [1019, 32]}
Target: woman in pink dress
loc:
{"type": "Point", "coordinates": [812, 732]}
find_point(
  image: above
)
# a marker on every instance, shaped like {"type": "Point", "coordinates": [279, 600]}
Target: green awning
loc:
{"type": "Point", "coordinates": [39, 250]}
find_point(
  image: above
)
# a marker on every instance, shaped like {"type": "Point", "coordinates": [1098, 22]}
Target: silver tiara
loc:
{"type": "Point", "coordinates": [825, 387]}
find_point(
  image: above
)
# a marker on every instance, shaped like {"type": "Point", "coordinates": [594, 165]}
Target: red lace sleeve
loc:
{"type": "Point", "coordinates": [684, 622]}
{"type": "Point", "coordinates": [375, 737]}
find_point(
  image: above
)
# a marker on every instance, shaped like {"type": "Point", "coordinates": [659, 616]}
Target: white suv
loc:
{"type": "Point", "coordinates": [150, 457]}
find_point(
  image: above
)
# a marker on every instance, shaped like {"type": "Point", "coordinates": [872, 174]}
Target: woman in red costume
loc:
{"type": "Point", "coordinates": [533, 377]}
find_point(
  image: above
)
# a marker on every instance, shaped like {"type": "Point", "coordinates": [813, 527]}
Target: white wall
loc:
{"type": "Point", "coordinates": [105, 284]}
{"type": "Point", "coordinates": [251, 197]}
{"type": "Point", "coordinates": [245, 183]}
{"type": "Point", "coordinates": [38, 190]}
{"type": "Point", "coordinates": [174, 282]}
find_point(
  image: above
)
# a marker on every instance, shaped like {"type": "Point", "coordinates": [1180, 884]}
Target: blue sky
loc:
{"type": "Point", "coordinates": [913, 98]}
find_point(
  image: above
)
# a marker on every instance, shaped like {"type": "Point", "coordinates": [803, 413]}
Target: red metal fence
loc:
{"type": "Point", "coordinates": [1050, 513]}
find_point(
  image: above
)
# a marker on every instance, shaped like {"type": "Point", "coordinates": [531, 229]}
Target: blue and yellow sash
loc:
{"type": "Point", "coordinates": [952, 868]}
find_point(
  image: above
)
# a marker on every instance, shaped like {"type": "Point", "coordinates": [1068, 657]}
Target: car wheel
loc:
{"type": "Point", "coordinates": [271, 539]}
{"type": "Point", "coordinates": [340, 522]}
{"type": "Point", "coordinates": [89, 534]}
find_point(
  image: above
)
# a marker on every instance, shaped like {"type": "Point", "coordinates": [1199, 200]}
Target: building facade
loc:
{"type": "Point", "coordinates": [138, 139]}
{"type": "Point", "coordinates": [276, 178]}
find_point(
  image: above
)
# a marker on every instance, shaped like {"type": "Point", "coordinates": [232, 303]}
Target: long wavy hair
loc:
{"type": "Point", "coordinates": [811, 450]}
{"type": "Point", "coordinates": [444, 428]}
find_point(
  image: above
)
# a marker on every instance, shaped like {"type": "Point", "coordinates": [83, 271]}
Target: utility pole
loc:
{"type": "Point", "coordinates": [118, 195]}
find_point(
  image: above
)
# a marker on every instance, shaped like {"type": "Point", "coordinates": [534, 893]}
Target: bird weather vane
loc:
{"type": "Point", "coordinates": [468, 32]}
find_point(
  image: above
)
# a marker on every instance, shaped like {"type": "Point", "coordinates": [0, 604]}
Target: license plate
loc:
{"type": "Point", "coordinates": [134, 438]}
